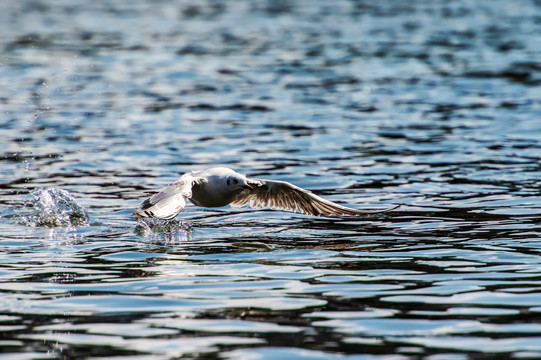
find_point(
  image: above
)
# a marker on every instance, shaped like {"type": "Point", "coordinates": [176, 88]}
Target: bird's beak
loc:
{"type": "Point", "coordinates": [247, 186]}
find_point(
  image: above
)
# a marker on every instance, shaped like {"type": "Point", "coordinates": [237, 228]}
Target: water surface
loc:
{"type": "Point", "coordinates": [434, 105]}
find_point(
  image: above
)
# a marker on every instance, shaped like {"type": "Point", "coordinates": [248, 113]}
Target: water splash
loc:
{"type": "Point", "coordinates": [55, 207]}
{"type": "Point", "coordinates": [168, 229]}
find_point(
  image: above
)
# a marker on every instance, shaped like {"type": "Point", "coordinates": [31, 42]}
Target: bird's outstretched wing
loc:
{"type": "Point", "coordinates": [286, 196]}
{"type": "Point", "coordinates": [168, 202]}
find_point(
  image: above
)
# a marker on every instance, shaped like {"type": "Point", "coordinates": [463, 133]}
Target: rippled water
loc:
{"type": "Point", "coordinates": [434, 105]}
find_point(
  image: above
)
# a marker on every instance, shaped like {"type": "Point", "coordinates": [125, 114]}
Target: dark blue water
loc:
{"type": "Point", "coordinates": [431, 104]}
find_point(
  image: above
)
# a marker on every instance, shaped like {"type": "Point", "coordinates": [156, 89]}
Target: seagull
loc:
{"type": "Point", "coordinates": [221, 186]}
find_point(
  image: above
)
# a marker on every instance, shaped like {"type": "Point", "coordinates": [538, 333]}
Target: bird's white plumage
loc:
{"type": "Point", "coordinates": [221, 186]}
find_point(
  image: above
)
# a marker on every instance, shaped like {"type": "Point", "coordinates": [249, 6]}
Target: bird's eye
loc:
{"type": "Point", "coordinates": [228, 181]}
{"type": "Point", "coordinates": [236, 181]}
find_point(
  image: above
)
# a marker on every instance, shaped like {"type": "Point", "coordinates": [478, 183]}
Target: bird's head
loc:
{"type": "Point", "coordinates": [236, 183]}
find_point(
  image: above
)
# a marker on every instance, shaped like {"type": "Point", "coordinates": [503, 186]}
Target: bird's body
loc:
{"type": "Point", "coordinates": [221, 186]}
{"type": "Point", "coordinates": [211, 189]}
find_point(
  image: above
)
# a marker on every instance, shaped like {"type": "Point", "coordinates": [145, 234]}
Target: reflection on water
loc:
{"type": "Point", "coordinates": [434, 105]}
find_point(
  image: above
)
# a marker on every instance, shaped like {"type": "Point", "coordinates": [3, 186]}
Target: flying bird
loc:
{"type": "Point", "coordinates": [220, 186]}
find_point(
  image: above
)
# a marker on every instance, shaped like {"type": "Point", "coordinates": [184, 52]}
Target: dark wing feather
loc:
{"type": "Point", "coordinates": [286, 196]}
